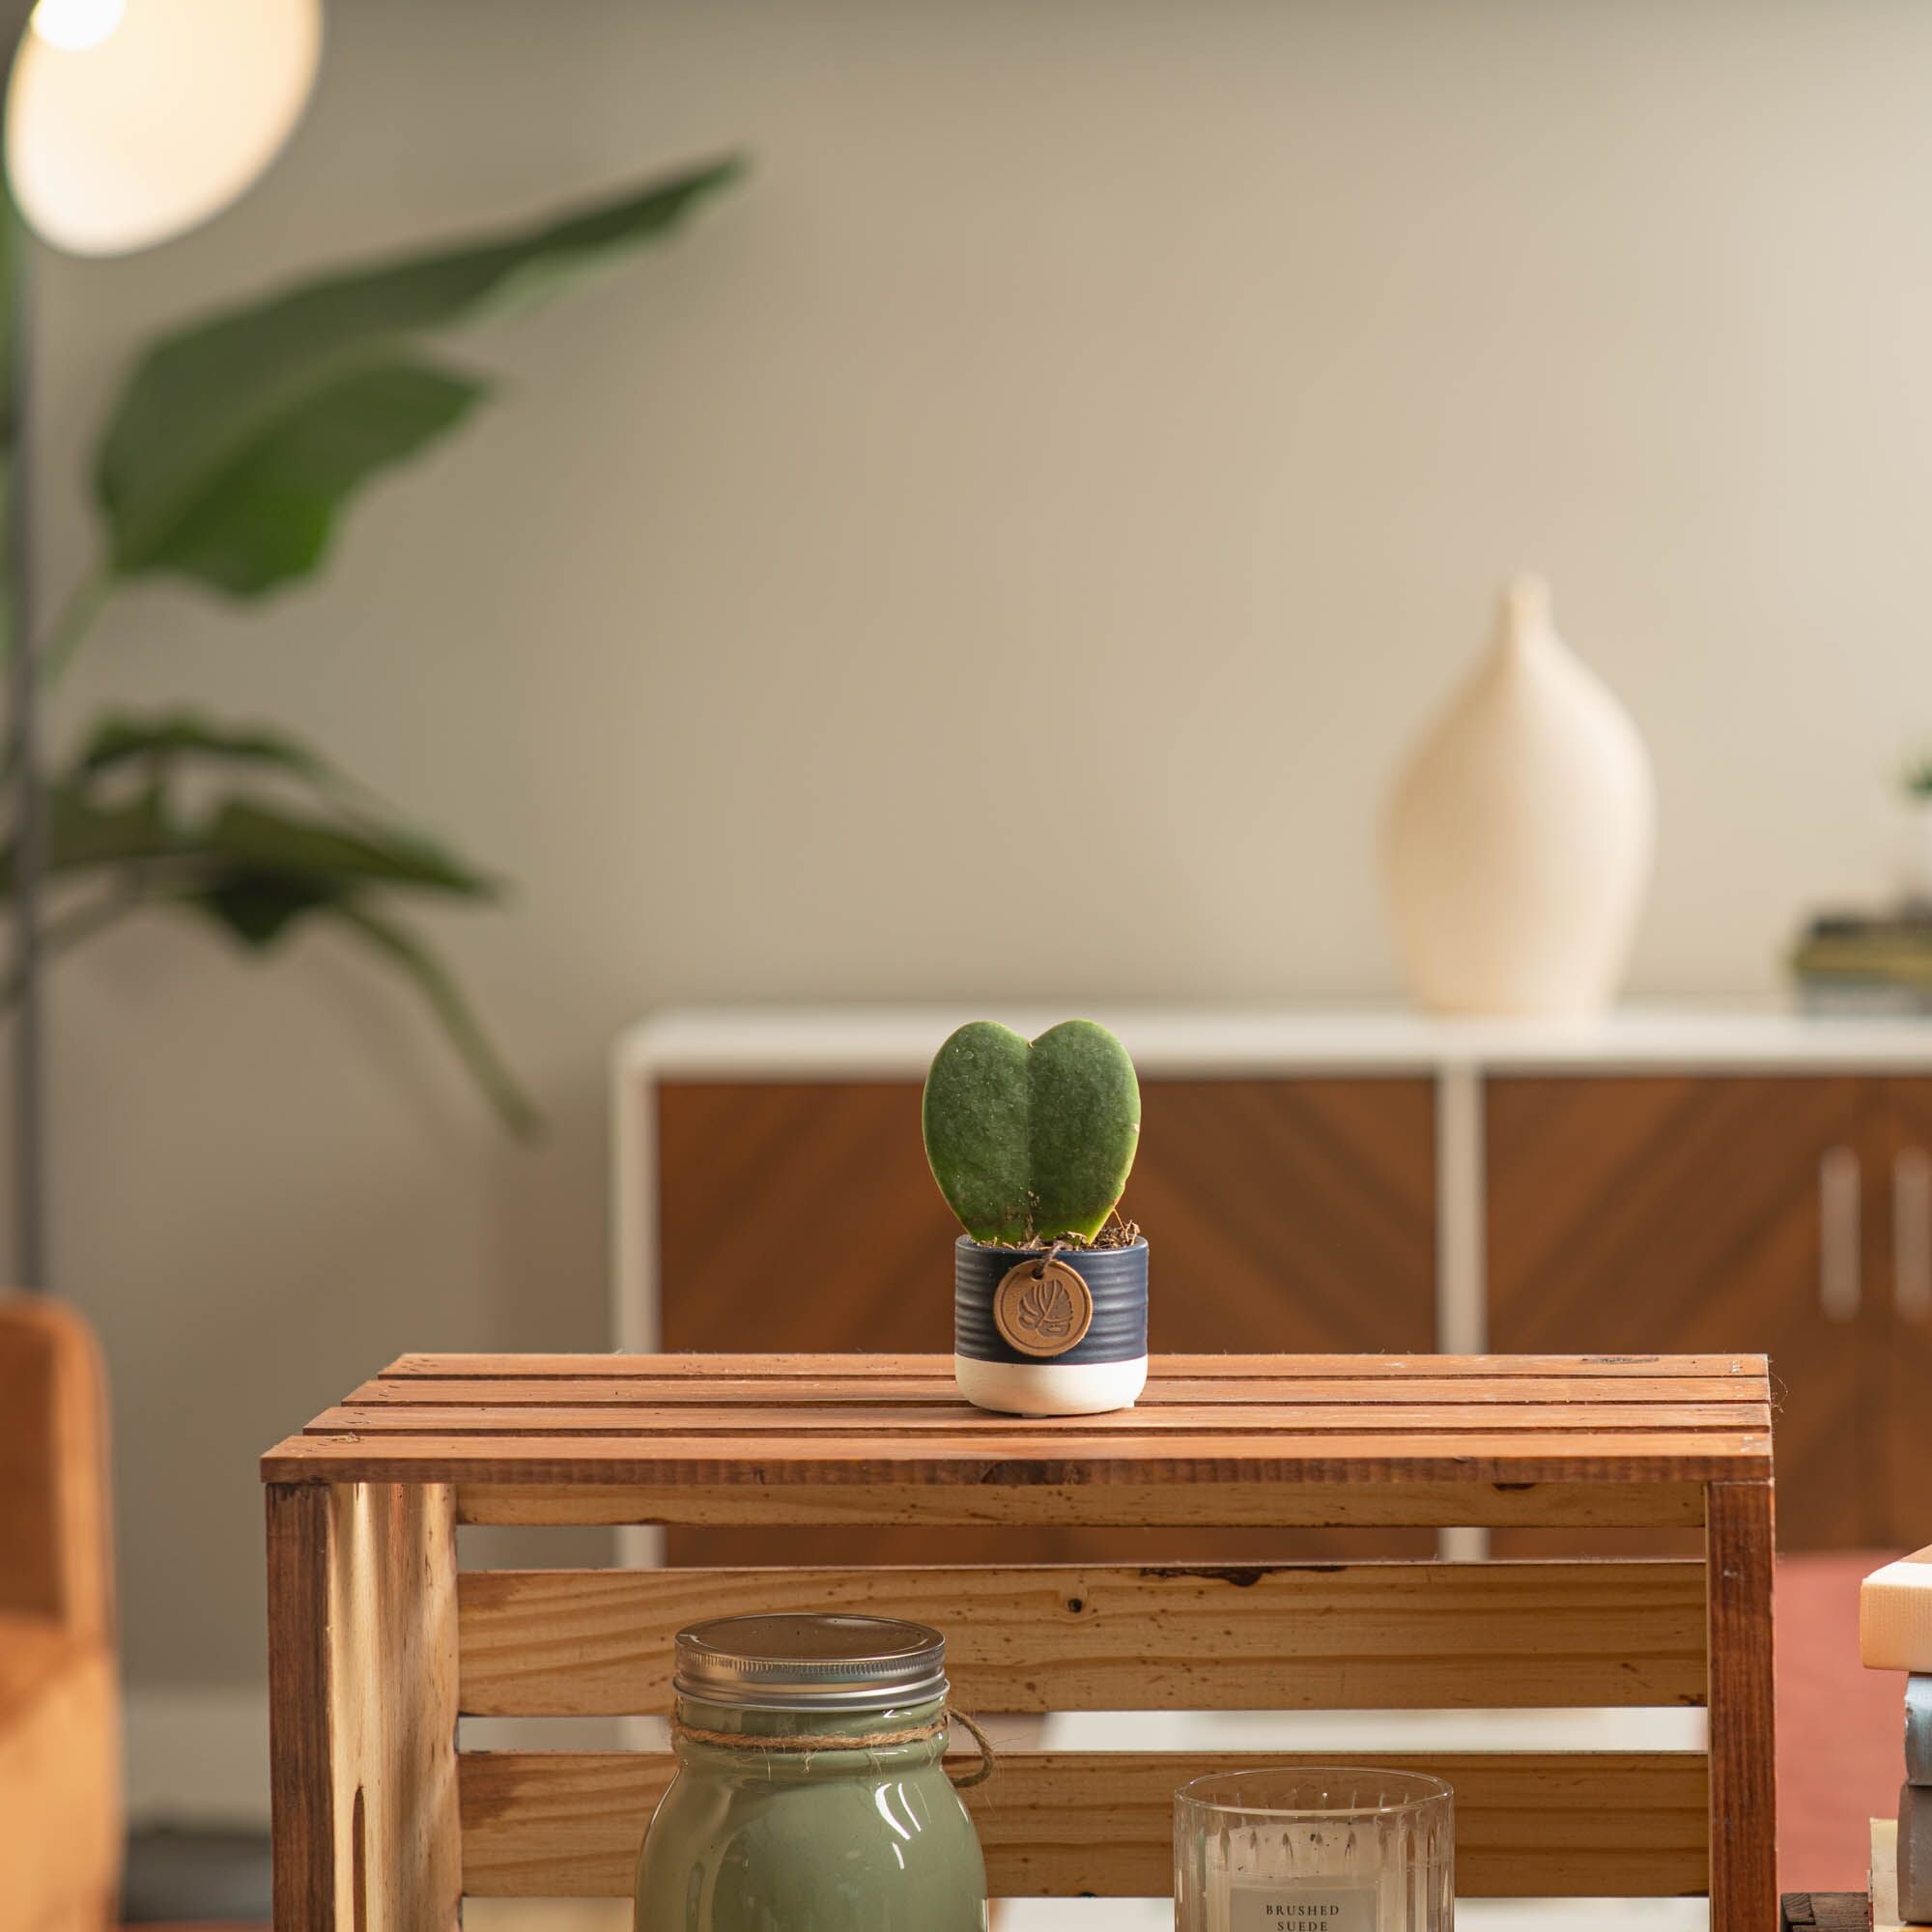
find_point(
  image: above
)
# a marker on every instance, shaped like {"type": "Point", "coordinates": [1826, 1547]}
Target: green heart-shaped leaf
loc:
{"type": "Point", "coordinates": [1032, 1142]}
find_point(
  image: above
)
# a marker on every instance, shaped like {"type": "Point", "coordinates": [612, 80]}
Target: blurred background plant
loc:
{"type": "Point", "coordinates": [236, 444]}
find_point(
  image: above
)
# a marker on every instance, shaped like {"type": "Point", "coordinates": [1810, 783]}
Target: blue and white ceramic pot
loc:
{"type": "Point", "coordinates": [1049, 1333]}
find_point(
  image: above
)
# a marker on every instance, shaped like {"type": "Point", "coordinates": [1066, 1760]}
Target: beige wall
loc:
{"type": "Point", "coordinates": [1065, 475]}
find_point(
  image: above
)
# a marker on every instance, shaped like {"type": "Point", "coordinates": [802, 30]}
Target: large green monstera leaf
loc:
{"type": "Point", "coordinates": [241, 437]}
{"type": "Point", "coordinates": [1032, 1142]}
{"type": "Point", "coordinates": [238, 442]}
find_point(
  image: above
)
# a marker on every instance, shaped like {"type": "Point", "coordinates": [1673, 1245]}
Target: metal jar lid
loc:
{"type": "Point", "coordinates": [810, 1664]}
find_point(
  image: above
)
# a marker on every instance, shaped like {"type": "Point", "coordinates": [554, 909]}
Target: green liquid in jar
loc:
{"type": "Point", "coordinates": [863, 1840]}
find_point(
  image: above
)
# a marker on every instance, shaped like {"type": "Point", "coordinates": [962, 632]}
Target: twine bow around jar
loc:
{"type": "Point", "coordinates": [804, 1743]}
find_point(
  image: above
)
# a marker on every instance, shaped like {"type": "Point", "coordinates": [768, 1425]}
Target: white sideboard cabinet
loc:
{"type": "Point", "coordinates": [1323, 1182]}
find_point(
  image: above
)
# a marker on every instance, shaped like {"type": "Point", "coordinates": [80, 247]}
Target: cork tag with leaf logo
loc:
{"type": "Point", "coordinates": [1043, 1307]}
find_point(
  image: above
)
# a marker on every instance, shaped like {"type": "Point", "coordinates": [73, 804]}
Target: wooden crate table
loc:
{"type": "Point", "coordinates": [1827, 1912]}
{"type": "Point", "coordinates": [379, 1642]}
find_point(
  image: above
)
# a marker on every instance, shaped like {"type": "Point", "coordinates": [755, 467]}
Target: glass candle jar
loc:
{"type": "Point", "coordinates": [1316, 1850]}
{"type": "Point", "coordinates": [810, 1794]}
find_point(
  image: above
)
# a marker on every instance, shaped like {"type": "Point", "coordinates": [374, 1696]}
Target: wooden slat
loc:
{"type": "Point", "coordinates": [1528, 1824]}
{"type": "Point", "coordinates": [1506, 1433]}
{"type": "Point", "coordinates": [1392, 1421]}
{"type": "Point", "coordinates": [1268, 1504]}
{"type": "Point", "coordinates": [1226, 1368]}
{"type": "Point", "coordinates": [1259, 1637]}
{"type": "Point", "coordinates": [1743, 1805]}
{"type": "Point", "coordinates": [941, 1391]}
{"type": "Point", "coordinates": [362, 1682]}
{"type": "Point", "coordinates": [1203, 1460]}
{"type": "Point", "coordinates": [303, 1778]}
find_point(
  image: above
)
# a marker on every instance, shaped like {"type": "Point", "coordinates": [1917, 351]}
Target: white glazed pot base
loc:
{"type": "Point", "coordinates": [1050, 1388]}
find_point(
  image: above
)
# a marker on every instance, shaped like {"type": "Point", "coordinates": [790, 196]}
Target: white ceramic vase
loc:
{"type": "Point", "coordinates": [1518, 841]}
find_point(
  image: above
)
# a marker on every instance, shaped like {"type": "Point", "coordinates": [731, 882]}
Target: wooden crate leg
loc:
{"type": "Point", "coordinates": [362, 1707]}
{"type": "Point", "coordinates": [1743, 1808]}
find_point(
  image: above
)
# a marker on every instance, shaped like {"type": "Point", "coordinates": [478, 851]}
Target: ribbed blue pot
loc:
{"type": "Point", "coordinates": [1117, 1278]}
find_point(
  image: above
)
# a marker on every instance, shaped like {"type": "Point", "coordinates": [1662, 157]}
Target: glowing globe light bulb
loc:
{"type": "Point", "coordinates": [128, 125]}
{"type": "Point", "coordinates": [73, 25]}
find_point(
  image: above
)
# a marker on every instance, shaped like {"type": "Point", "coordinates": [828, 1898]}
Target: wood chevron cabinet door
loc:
{"type": "Point", "coordinates": [1283, 1215]}
{"type": "Point", "coordinates": [800, 1216]}
{"type": "Point", "coordinates": [1705, 1214]}
{"type": "Point", "coordinates": [1290, 1216]}
{"type": "Point", "coordinates": [1903, 1317]}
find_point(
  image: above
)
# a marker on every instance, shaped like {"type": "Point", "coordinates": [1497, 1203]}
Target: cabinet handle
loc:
{"type": "Point", "coordinates": [1839, 1288]}
{"type": "Point", "coordinates": [1912, 1233]}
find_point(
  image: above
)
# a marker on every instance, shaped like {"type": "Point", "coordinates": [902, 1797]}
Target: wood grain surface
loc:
{"type": "Point", "coordinates": [363, 1684]}
{"type": "Point", "coordinates": [1222, 1500]}
{"type": "Point", "coordinates": [1171, 1384]}
{"type": "Point", "coordinates": [377, 1641]}
{"type": "Point", "coordinates": [562, 1824]}
{"type": "Point", "coordinates": [1826, 1912]}
{"type": "Point", "coordinates": [1280, 1199]}
{"type": "Point", "coordinates": [795, 1375]}
{"type": "Point", "coordinates": [1743, 1810]}
{"type": "Point", "coordinates": [1298, 1213]}
{"type": "Point", "coordinates": [1323, 1636]}
{"type": "Point", "coordinates": [1897, 1505]}
{"type": "Point", "coordinates": [1683, 1211]}
{"type": "Point", "coordinates": [1483, 1425]}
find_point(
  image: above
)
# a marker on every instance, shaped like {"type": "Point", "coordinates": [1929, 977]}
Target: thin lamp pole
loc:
{"type": "Point", "coordinates": [23, 761]}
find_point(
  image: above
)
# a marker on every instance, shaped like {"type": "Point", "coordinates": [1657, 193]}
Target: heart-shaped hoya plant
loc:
{"type": "Point", "coordinates": [1032, 1142]}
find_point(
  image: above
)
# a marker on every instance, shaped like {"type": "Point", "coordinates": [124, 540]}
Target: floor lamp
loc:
{"type": "Point", "coordinates": [128, 122]}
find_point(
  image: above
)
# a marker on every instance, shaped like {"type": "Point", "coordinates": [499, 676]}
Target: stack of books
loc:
{"type": "Point", "coordinates": [1895, 1633]}
{"type": "Point", "coordinates": [1867, 962]}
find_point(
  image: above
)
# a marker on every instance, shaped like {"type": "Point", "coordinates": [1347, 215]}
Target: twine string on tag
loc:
{"type": "Point", "coordinates": [804, 1742]}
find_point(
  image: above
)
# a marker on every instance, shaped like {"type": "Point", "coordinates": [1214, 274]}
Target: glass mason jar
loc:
{"type": "Point", "coordinates": [809, 1795]}
{"type": "Point", "coordinates": [1316, 1850]}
